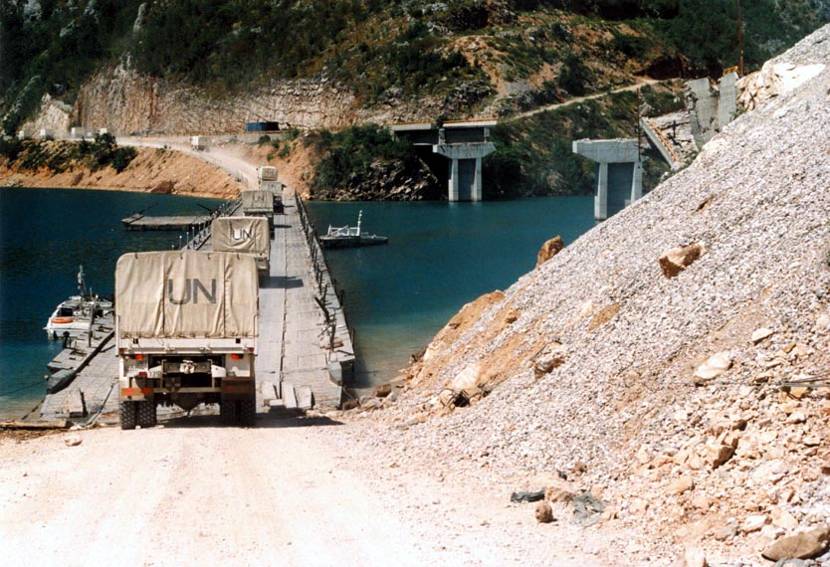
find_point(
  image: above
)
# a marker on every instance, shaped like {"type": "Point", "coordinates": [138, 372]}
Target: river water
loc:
{"type": "Point", "coordinates": [397, 296]}
{"type": "Point", "coordinates": [44, 235]}
{"type": "Point", "coordinates": [439, 257]}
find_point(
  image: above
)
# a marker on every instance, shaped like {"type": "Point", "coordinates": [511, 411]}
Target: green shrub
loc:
{"type": "Point", "coordinates": [466, 15]}
{"type": "Point", "coordinates": [122, 157]}
{"type": "Point", "coordinates": [10, 148]}
{"type": "Point", "coordinates": [661, 102]}
{"type": "Point", "coordinates": [632, 46]}
{"type": "Point", "coordinates": [575, 76]}
{"type": "Point", "coordinates": [348, 155]}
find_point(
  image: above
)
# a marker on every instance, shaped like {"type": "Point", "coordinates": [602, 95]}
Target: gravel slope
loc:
{"type": "Point", "coordinates": [623, 415]}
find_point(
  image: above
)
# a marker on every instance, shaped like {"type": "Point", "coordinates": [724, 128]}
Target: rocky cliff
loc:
{"type": "Point", "coordinates": [671, 363]}
{"type": "Point", "coordinates": [126, 101]}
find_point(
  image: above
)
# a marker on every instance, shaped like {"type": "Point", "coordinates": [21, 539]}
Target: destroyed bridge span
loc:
{"type": "Point", "coordinates": [305, 353]}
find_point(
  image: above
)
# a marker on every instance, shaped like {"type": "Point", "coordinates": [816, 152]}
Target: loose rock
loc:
{"type": "Point", "coordinates": [803, 545]}
{"type": "Point", "coordinates": [678, 259]}
{"type": "Point", "coordinates": [544, 513]}
{"type": "Point", "coordinates": [73, 440]}
{"type": "Point", "coordinates": [549, 249]}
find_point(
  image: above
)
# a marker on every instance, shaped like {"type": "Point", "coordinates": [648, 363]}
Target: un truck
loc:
{"type": "Point", "coordinates": [258, 204]}
{"type": "Point", "coordinates": [268, 181]}
{"type": "Point", "coordinates": [186, 327]}
{"type": "Point", "coordinates": [246, 235]}
{"type": "Point", "coordinates": [267, 173]}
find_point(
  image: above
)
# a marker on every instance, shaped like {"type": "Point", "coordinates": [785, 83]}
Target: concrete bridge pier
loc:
{"type": "Point", "coordinates": [465, 177]}
{"type": "Point", "coordinates": [620, 173]}
{"type": "Point", "coordinates": [464, 144]}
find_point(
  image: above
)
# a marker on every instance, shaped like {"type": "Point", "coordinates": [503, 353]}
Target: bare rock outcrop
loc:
{"type": "Point", "coordinates": [125, 101]}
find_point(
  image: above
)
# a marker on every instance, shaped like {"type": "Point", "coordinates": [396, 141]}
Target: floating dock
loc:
{"type": "Point", "coordinates": [172, 223]}
{"type": "Point", "coordinates": [72, 395]}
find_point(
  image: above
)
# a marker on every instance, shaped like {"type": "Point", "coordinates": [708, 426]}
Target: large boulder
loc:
{"type": "Point", "coordinates": [549, 249]}
{"type": "Point", "coordinates": [802, 545]}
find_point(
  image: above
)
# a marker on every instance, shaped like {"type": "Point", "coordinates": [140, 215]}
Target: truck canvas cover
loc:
{"type": "Point", "coordinates": [249, 235]}
{"type": "Point", "coordinates": [186, 294]}
{"type": "Point", "coordinates": [257, 200]}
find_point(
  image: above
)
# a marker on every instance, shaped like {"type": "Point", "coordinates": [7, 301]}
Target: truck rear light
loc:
{"type": "Point", "coordinates": [236, 356]}
{"type": "Point", "coordinates": [141, 375]}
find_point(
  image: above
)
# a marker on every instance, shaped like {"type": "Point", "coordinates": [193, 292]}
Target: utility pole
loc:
{"type": "Point", "coordinates": [740, 39]}
{"type": "Point", "coordinates": [639, 129]}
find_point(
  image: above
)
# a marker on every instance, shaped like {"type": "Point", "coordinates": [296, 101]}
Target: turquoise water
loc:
{"type": "Point", "coordinates": [439, 257]}
{"type": "Point", "coordinates": [44, 235]}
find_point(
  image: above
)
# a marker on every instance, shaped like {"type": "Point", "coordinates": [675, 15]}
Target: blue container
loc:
{"type": "Point", "coordinates": [262, 126]}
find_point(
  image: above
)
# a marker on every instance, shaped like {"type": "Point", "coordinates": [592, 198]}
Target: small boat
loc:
{"type": "Point", "coordinates": [75, 315]}
{"type": "Point", "coordinates": [350, 236]}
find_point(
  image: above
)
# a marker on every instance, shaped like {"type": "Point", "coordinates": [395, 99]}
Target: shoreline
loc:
{"type": "Point", "coordinates": [152, 170]}
{"type": "Point", "coordinates": [39, 184]}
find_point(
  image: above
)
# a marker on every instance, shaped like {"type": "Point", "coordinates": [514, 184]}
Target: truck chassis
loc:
{"type": "Point", "coordinates": [186, 373]}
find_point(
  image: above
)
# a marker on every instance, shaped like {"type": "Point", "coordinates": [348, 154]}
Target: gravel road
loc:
{"type": "Point", "coordinates": [289, 492]}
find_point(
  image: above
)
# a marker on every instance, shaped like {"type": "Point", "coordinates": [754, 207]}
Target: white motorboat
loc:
{"type": "Point", "coordinates": [76, 314]}
{"type": "Point", "coordinates": [350, 236]}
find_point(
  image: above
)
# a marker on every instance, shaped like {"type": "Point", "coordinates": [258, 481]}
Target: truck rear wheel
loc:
{"type": "Point", "coordinates": [146, 413]}
{"type": "Point", "coordinates": [227, 411]}
{"type": "Point", "coordinates": [247, 412]}
{"type": "Point", "coordinates": [127, 415]}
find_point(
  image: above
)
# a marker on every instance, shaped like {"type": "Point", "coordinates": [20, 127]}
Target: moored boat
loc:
{"type": "Point", "coordinates": [350, 236]}
{"type": "Point", "coordinates": [75, 315]}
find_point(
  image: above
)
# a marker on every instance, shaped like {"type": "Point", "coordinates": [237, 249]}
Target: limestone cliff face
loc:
{"type": "Point", "coordinates": [54, 116]}
{"type": "Point", "coordinates": [125, 101]}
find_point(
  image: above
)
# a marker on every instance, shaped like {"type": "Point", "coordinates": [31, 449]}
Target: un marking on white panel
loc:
{"type": "Point", "coordinates": [241, 234]}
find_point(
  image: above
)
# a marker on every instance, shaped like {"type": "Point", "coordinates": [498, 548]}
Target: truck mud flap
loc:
{"type": "Point", "coordinates": [136, 394]}
{"type": "Point", "coordinates": [238, 388]}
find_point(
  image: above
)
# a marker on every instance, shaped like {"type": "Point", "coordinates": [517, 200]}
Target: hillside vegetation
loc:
{"type": "Point", "coordinates": [463, 49]}
{"type": "Point", "coordinates": [466, 57]}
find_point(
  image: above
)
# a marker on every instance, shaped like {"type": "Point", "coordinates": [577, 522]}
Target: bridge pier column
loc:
{"type": "Point", "coordinates": [466, 158]}
{"type": "Point", "coordinates": [452, 189]}
{"type": "Point", "coordinates": [637, 181]}
{"type": "Point", "coordinates": [475, 195]}
{"type": "Point", "coordinates": [620, 152]}
{"type": "Point", "coordinates": [601, 198]}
